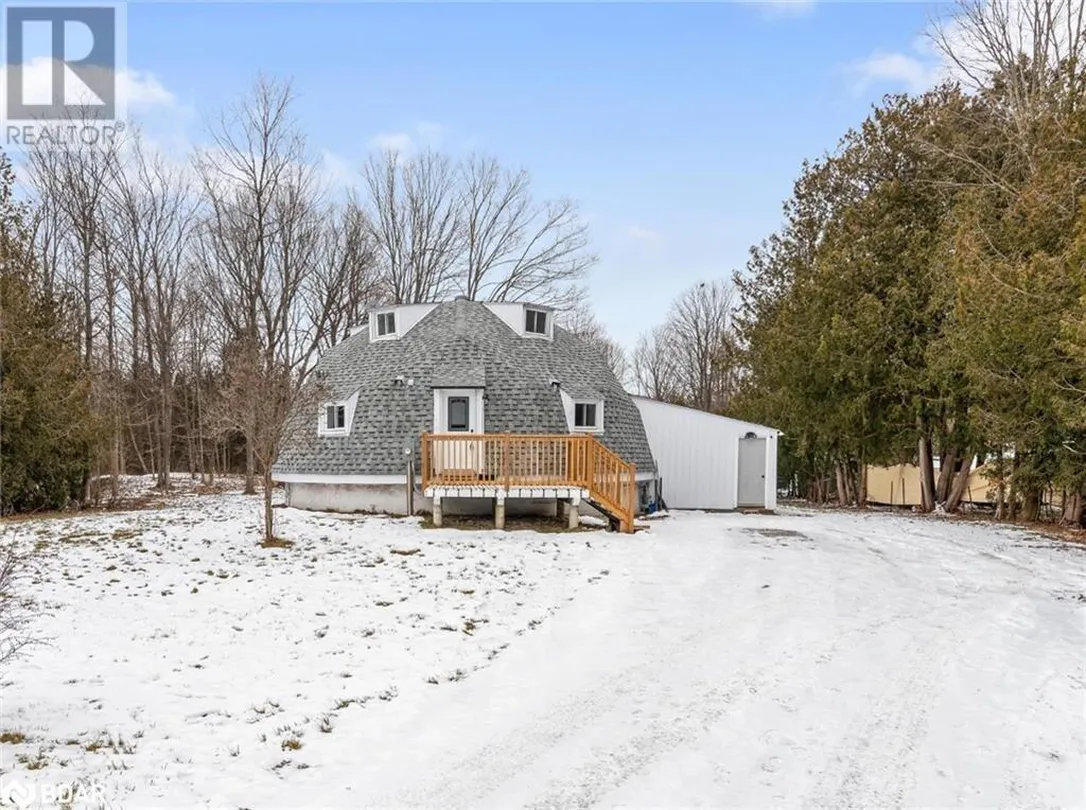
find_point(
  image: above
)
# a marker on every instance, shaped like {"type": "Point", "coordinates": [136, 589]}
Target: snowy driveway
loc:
{"type": "Point", "coordinates": [804, 659]}
{"type": "Point", "coordinates": [835, 660]}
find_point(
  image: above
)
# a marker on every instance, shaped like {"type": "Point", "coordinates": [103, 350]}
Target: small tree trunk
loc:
{"type": "Point", "coordinates": [269, 533]}
{"type": "Point", "coordinates": [115, 462]}
{"type": "Point", "coordinates": [1031, 505]}
{"type": "Point", "coordinates": [165, 439]}
{"type": "Point", "coordinates": [861, 482]}
{"type": "Point", "coordinates": [960, 485]}
{"type": "Point", "coordinates": [927, 476]}
{"type": "Point", "coordinates": [1001, 489]}
{"type": "Point", "coordinates": [250, 468]}
{"type": "Point", "coordinates": [948, 465]}
{"type": "Point", "coordinates": [1012, 498]}
{"type": "Point", "coordinates": [842, 488]}
{"type": "Point", "coordinates": [135, 447]}
{"type": "Point", "coordinates": [1073, 504]}
{"type": "Point", "coordinates": [206, 475]}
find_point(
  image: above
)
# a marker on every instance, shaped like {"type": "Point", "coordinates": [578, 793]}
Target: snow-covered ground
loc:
{"type": "Point", "coordinates": [830, 659]}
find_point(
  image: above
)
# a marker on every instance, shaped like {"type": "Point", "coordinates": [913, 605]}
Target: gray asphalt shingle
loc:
{"type": "Point", "coordinates": [459, 344]}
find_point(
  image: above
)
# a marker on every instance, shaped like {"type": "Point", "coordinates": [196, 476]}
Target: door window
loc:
{"type": "Point", "coordinates": [457, 420]}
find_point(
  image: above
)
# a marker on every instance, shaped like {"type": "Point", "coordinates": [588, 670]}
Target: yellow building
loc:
{"type": "Point", "coordinates": [900, 485]}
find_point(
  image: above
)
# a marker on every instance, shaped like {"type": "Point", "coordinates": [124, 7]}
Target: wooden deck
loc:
{"type": "Point", "coordinates": [513, 462]}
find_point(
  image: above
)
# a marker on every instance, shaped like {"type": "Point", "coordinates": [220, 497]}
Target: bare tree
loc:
{"type": "Point", "coordinates": [1033, 50]}
{"type": "Point", "coordinates": [201, 350]}
{"type": "Point", "coordinates": [581, 322]}
{"type": "Point", "coordinates": [283, 271]}
{"type": "Point", "coordinates": [48, 233]}
{"type": "Point", "coordinates": [344, 281]}
{"type": "Point", "coordinates": [692, 358]}
{"type": "Point", "coordinates": [415, 224]}
{"type": "Point", "coordinates": [17, 613]}
{"type": "Point", "coordinates": [701, 331]}
{"type": "Point", "coordinates": [1023, 42]}
{"type": "Point", "coordinates": [152, 210]}
{"type": "Point", "coordinates": [260, 400]}
{"type": "Point", "coordinates": [654, 366]}
{"type": "Point", "coordinates": [516, 248]}
{"type": "Point", "coordinates": [72, 183]}
{"type": "Point", "coordinates": [71, 186]}
{"type": "Point", "coordinates": [256, 185]}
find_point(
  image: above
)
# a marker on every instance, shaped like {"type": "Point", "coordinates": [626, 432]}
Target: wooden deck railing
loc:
{"type": "Point", "coordinates": [510, 460]}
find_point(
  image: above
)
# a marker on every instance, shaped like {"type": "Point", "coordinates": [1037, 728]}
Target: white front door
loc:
{"type": "Point", "coordinates": [459, 410]}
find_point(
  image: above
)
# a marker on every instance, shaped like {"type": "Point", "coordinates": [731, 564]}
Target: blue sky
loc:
{"type": "Point", "coordinates": [679, 128]}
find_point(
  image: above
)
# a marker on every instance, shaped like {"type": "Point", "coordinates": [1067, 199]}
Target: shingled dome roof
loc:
{"type": "Point", "coordinates": [457, 344]}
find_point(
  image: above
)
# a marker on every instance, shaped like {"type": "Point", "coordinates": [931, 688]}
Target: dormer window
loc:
{"type": "Point", "coordinates": [335, 417]}
{"type": "Point", "coordinates": [588, 416]}
{"type": "Point", "coordinates": [386, 324]}
{"type": "Point", "coordinates": [535, 321]}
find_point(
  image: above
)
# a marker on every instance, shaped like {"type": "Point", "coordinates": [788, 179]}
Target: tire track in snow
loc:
{"type": "Point", "coordinates": [488, 768]}
{"type": "Point", "coordinates": [874, 764]}
{"type": "Point", "coordinates": [492, 766]}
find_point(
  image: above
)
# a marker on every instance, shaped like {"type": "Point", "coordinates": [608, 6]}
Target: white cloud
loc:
{"type": "Point", "coordinates": [392, 141]}
{"type": "Point", "coordinates": [143, 89]}
{"type": "Point", "coordinates": [777, 9]}
{"type": "Point", "coordinates": [430, 132]}
{"type": "Point", "coordinates": [641, 234]}
{"type": "Point", "coordinates": [924, 64]}
{"type": "Point", "coordinates": [338, 173]}
{"type": "Point", "coordinates": [424, 134]}
{"type": "Point", "coordinates": [897, 69]}
{"type": "Point", "coordinates": [136, 89]}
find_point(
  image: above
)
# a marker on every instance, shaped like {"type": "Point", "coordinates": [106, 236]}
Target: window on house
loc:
{"type": "Point", "coordinates": [535, 321]}
{"type": "Point", "coordinates": [386, 324]}
{"type": "Point", "coordinates": [458, 414]}
{"type": "Point", "coordinates": [335, 417]}
{"type": "Point", "coordinates": [586, 415]}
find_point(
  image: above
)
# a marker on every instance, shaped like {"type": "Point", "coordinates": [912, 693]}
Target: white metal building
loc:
{"type": "Point", "coordinates": [707, 461]}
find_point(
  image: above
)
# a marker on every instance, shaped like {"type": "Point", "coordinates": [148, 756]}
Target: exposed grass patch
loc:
{"type": "Point", "coordinates": [78, 537]}
{"type": "Point", "coordinates": [344, 703]}
{"type": "Point", "coordinates": [276, 542]}
{"type": "Point", "coordinates": [107, 742]}
{"type": "Point", "coordinates": [33, 762]}
{"type": "Point", "coordinates": [12, 737]}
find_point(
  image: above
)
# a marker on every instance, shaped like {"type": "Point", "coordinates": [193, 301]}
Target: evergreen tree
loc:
{"type": "Point", "coordinates": [46, 428]}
